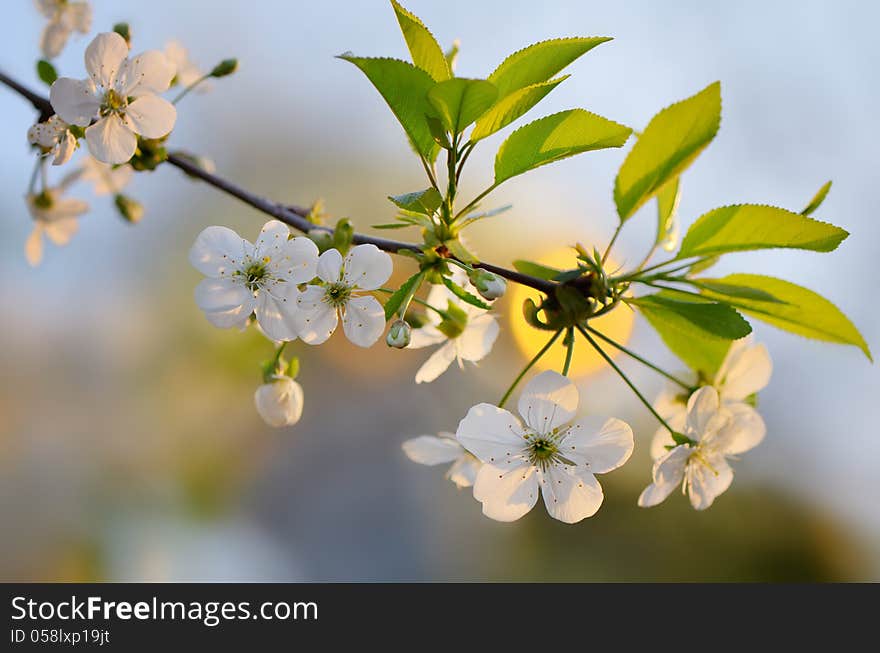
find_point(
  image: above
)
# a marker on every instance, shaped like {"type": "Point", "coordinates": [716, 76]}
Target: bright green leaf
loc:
{"type": "Point", "coordinates": [459, 102]}
{"type": "Point", "coordinates": [702, 265]}
{"type": "Point", "coordinates": [397, 298]}
{"type": "Point", "coordinates": [393, 225]}
{"type": "Point", "coordinates": [464, 295]}
{"type": "Point", "coordinates": [539, 62]}
{"type": "Point", "coordinates": [705, 319]}
{"type": "Point", "coordinates": [459, 251]}
{"type": "Point", "coordinates": [511, 107]}
{"type": "Point", "coordinates": [451, 55]}
{"type": "Point", "coordinates": [667, 146]}
{"type": "Point", "coordinates": [423, 47]}
{"type": "Point", "coordinates": [556, 137]}
{"type": "Point", "coordinates": [667, 207]}
{"type": "Point", "coordinates": [422, 201]}
{"type": "Point", "coordinates": [751, 226]}
{"type": "Point", "coordinates": [405, 89]}
{"type": "Point", "coordinates": [536, 269]}
{"type": "Point", "coordinates": [702, 354]}
{"type": "Point", "coordinates": [728, 291]}
{"type": "Point", "coordinates": [46, 72]}
{"type": "Point", "coordinates": [803, 312]}
{"type": "Point", "coordinates": [817, 200]}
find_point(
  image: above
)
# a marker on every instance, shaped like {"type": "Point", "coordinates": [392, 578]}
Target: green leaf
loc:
{"type": "Point", "coordinates": [802, 311]}
{"type": "Point", "coordinates": [667, 207]}
{"type": "Point", "coordinates": [556, 137]}
{"type": "Point", "coordinates": [460, 252]}
{"type": "Point", "coordinates": [474, 217]}
{"type": "Point", "coordinates": [511, 107]}
{"type": "Point", "coordinates": [702, 265]}
{"type": "Point", "coordinates": [539, 62]}
{"type": "Point", "coordinates": [460, 101]}
{"type": "Point", "coordinates": [405, 89]}
{"type": "Point", "coordinates": [818, 198]}
{"type": "Point", "coordinates": [705, 319]}
{"type": "Point", "coordinates": [422, 201]}
{"type": "Point", "coordinates": [751, 226]}
{"type": "Point", "coordinates": [464, 295]}
{"type": "Point", "coordinates": [667, 146]}
{"type": "Point", "coordinates": [731, 290]}
{"type": "Point", "coordinates": [423, 47]}
{"type": "Point", "coordinates": [451, 55]}
{"type": "Point", "coordinates": [536, 269]}
{"type": "Point", "coordinates": [46, 72]}
{"type": "Point", "coordinates": [393, 225]}
{"type": "Point", "coordinates": [398, 296]}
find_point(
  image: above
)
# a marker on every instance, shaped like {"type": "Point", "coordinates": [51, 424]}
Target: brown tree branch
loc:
{"type": "Point", "coordinates": [291, 215]}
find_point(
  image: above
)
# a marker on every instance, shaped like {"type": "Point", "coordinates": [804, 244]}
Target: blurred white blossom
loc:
{"type": "Point", "coordinates": [64, 18]}
{"type": "Point", "coordinates": [444, 448]}
{"type": "Point", "coordinates": [54, 215]}
{"type": "Point", "coordinates": [280, 401]}
{"type": "Point", "coordinates": [55, 139]}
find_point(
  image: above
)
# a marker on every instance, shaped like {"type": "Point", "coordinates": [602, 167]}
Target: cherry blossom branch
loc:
{"type": "Point", "coordinates": [293, 216]}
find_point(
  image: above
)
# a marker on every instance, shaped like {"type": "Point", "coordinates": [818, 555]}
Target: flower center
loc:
{"type": "Point", "coordinates": [254, 274]}
{"type": "Point", "coordinates": [113, 103]}
{"type": "Point", "coordinates": [337, 294]}
{"type": "Point", "coordinates": [43, 200]}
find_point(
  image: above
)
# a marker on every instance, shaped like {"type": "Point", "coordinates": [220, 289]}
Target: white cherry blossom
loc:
{"type": "Point", "coordinates": [54, 215]}
{"type": "Point", "coordinates": [105, 179]}
{"type": "Point", "coordinates": [715, 431]}
{"type": "Point", "coordinates": [55, 138]}
{"type": "Point", "coordinates": [121, 93]}
{"type": "Point", "coordinates": [64, 18]}
{"type": "Point", "coordinates": [339, 295]}
{"type": "Point", "coordinates": [245, 278]}
{"type": "Point", "coordinates": [188, 73]}
{"type": "Point", "coordinates": [745, 371]}
{"type": "Point", "coordinates": [548, 451]}
{"type": "Point", "coordinates": [280, 401]}
{"type": "Point", "coordinates": [469, 338]}
{"type": "Point", "coordinates": [444, 448]}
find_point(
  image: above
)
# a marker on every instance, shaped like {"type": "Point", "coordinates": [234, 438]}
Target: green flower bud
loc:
{"type": "Point", "coordinates": [224, 68]}
{"type": "Point", "coordinates": [489, 285]}
{"type": "Point", "coordinates": [399, 335]}
{"type": "Point", "coordinates": [130, 209]}
{"type": "Point", "coordinates": [124, 31]}
{"type": "Point", "coordinates": [322, 238]}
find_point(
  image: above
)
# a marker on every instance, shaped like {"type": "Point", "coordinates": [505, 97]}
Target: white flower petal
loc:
{"type": "Point", "coordinates": [151, 116]}
{"type": "Point", "coordinates": [367, 267]}
{"type": "Point", "coordinates": [273, 315]}
{"type": "Point", "coordinates": [744, 431]}
{"type": "Point", "coordinates": [220, 295]}
{"type": "Point", "coordinates": [79, 16]}
{"type": "Point", "coordinates": [46, 7]}
{"type": "Point", "coordinates": [506, 494]}
{"type": "Point", "coordinates": [61, 230]}
{"type": "Point", "coordinates": [330, 266]}
{"type": "Point", "coordinates": [218, 252]}
{"type": "Point", "coordinates": [363, 320]}
{"type": "Point", "coordinates": [234, 318]}
{"type": "Point", "coordinates": [705, 484]}
{"type": "Point", "coordinates": [746, 370]}
{"type": "Point", "coordinates": [437, 363]}
{"type": "Point", "coordinates": [68, 207]}
{"type": "Point", "coordinates": [492, 434]}
{"type": "Point", "coordinates": [667, 475]}
{"type": "Point", "coordinates": [598, 444]}
{"type": "Point", "coordinates": [477, 339]}
{"type": "Point", "coordinates": [149, 73]}
{"type": "Point", "coordinates": [74, 100]}
{"type": "Point", "coordinates": [111, 141]}
{"type": "Point", "coordinates": [280, 403]}
{"type": "Point", "coordinates": [33, 246]}
{"type": "Point", "coordinates": [655, 494]}
{"type": "Point", "coordinates": [431, 450]}
{"type": "Point", "coordinates": [105, 179]}
{"type": "Point", "coordinates": [464, 471]}
{"type": "Point", "coordinates": [105, 57]}
{"type": "Point", "coordinates": [54, 38]}
{"type": "Point", "coordinates": [300, 260]}
{"type": "Point", "coordinates": [425, 337]}
{"type": "Point", "coordinates": [548, 401]}
{"type": "Point", "coordinates": [568, 497]}
{"type": "Point", "coordinates": [66, 148]}
{"type": "Point", "coordinates": [314, 319]}
{"type": "Point", "coordinates": [705, 415]}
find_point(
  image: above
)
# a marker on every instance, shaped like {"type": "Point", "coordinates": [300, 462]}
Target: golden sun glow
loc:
{"type": "Point", "coordinates": [617, 325]}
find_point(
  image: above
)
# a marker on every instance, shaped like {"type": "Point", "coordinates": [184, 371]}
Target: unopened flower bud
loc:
{"type": "Point", "coordinates": [224, 68]}
{"type": "Point", "coordinates": [322, 238]}
{"type": "Point", "coordinates": [489, 285]}
{"type": "Point", "coordinates": [124, 30]}
{"type": "Point", "coordinates": [130, 209]}
{"type": "Point", "coordinates": [399, 334]}
{"type": "Point", "coordinates": [279, 402]}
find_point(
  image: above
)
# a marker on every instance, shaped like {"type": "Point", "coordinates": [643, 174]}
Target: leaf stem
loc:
{"type": "Point", "coordinates": [189, 88]}
{"type": "Point", "coordinates": [611, 242]}
{"type": "Point", "coordinates": [474, 202]}
{"type": "Point", "coordinates": [528, 366]}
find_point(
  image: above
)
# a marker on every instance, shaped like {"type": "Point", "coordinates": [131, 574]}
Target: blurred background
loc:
{"type": "Point", "coordinates": [129, 445]}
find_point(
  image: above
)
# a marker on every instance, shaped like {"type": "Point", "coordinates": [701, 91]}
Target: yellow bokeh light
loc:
{"type": "Point", "coordinates": [617, 325]}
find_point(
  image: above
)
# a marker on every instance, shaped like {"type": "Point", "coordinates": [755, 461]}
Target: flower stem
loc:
{"type": "Point", "coordinates": [625, 378]}
{"type": "Point", "coordinates": [569, 343]}
{"type": "Point", "coordinates": [418, 301]}
{"type": "Point", "coordinates": [634, 355]}
{"type": "Point", "coordinates": [528, 366]}
{"type": "Point", "coordinates": [33, 182]}
{"type": "Point", "coordinates": [189, 88]}
{"type": "Point", "coordinates": [611, 243]}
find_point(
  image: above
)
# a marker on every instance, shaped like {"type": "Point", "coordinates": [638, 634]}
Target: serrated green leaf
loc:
{"type": "Point", "coordinates": [700, 353]}
{"type": "Point", "coordinates": [536, 269]}
{"type": "Point", "coordinates": [398, 296]}
{"type": "Point", "coordinates": [419, 219]}
{"type": "Point", "coordinates": [512, 106]}
{"type": "Point", "coordinates": [667, 207]}
{"type": "Point", "coordinates": [464, 295]}
{"type": "Point", "coordinates": [667, 146]}
{"type": "Point", "coordinates": [423, 47]}
{"type": "Point", "coordinates": [459, 102]}
{"type": "Point", "coordinates": [707, 319]}
{"type": "Point", "coordinates": [737, 292]}
{"type": "Point", "coordinates": [751, 226]}
{"type": "Point", "coordinates": [421, 201]}
{"type": "Point", "coordinates": [539, 62]}
{"type": "Point", "coordinates": [818, 198]}
{"type": "Point", "coordinates": [46, 72]}
{"type": "Point", "coordinates": [556, 137]}
{"type": "Point", "coordinates": [405, 88]}
{"type": "Point", "coordinates": [803, 312]}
